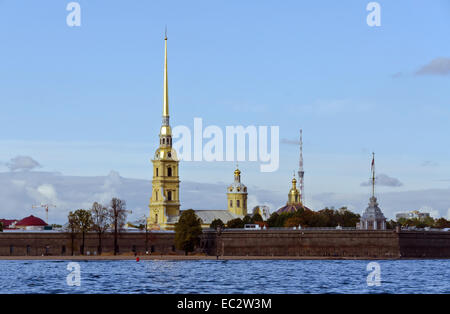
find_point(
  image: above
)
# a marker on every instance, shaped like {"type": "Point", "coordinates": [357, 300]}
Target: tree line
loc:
{"type": "Point", "coordinates": [99, 219]}
{"type": "Point", "coordinates": [327, 217]}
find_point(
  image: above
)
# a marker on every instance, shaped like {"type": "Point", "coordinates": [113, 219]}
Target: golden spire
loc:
{"type": "Point", "coordinates": [165, 128]}
{"type": "Point", "coordinates": [166, 85]}
{"type": "Point", "coordinates": [237, 175]}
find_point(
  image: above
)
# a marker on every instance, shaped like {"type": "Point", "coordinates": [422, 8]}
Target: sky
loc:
{"type": "Point", "coordinates": [86, 101]}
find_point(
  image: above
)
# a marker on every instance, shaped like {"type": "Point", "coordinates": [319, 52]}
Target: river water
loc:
{"type": "Point", "coordinates": [234, 276]}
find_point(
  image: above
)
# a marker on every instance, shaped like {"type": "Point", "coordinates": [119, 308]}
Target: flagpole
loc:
{"type": "Point", "coordinates": [373, 174]}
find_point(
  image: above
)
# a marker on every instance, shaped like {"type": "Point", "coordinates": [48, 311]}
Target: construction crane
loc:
{"type": "Point", "coordinates": [46, 206]}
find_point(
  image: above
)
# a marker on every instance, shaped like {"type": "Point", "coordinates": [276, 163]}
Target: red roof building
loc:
{"type": "Point", "coordinates": [30, 221]}
{"type": "Point", "coordinates": [8, 223]}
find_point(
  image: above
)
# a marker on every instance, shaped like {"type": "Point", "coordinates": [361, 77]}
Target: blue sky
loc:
{"type": "Point", "coordinates": [87, 100]}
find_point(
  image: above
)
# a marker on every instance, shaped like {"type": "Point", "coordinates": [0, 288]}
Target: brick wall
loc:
{"type": "Point", "coordinates": [329, 243]}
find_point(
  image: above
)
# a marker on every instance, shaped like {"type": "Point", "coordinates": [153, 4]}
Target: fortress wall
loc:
{"type": "Point", "coordinates": [329, 243]}
{"type": "Point", "coordinates": [52, 243]}
{"type": "Point", "coordinates": [424, 244]}
{"type": "Point", "coordinates": [325, 243]}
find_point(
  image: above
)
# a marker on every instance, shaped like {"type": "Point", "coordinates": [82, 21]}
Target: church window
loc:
{"type": "Point", "coordinates": [164, 141]}
{"type": "Point", "coordinates": [169, 171]}
{"type": "Point", "coordinates": [231, 203]}
{"type": "Point", "coordinates": [157, 172]}
{"type": "Point", "coordinates": [238, 204]}
{"type": "Point", "coordinates": [156, 218]}
{"type": "Point", "coordinates": [156, 195]}
{"type": "Point", "coordinates": [238, 189]}
{"type": "Point", "coordinates": [169, 195]}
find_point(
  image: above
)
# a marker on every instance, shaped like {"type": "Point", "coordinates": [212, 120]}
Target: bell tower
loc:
{"type": "Point", "coordinates": [165, 199]}
{"type": "Point", "coordinates": [237, 196]}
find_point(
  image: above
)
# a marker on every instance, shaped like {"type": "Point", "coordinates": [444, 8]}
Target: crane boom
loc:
{"type": "Point", "coordinates": [46, 206]}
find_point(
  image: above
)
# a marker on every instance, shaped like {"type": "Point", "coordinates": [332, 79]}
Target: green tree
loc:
{"type": "Point", "coordinates": [217, 223]}
{"type": "Point", "coordinates": [272, 219]}
{"type": "Point", "coordinates": [235, 223]}
{"type": "Point", "coordinates": [247, 220]}
{"type": "Point", "coordinates": [391, 224]}
{"type": "Point", "coordinates": [442, 223]}
{"type": "Point", "coordinates": [187, 231]}
{"type": "Point", "coordinates": [293, 222]}
{"type": "Point", "coordinates": [83, 220]}
{"type": "Point", "coordinates": [100, 222]}
{"type": "Point", "coordinates": [347, 218]}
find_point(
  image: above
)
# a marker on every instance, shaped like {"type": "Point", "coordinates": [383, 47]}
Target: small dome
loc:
{"type": "Point", "coordinates": [237, 187]}
{"type": "Point", "coordinates": [31, 221]}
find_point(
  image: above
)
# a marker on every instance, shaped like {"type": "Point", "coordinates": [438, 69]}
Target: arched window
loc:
{"type": "Point", "coordinates": [157, 172]}
{"type": "Point", "coordinates": [169, 171]}
{"type": "Point", "coordinates": [156, 218]}
{"type": "Point", "coordinates": [238, 204]}
{"type": "Point", "coordinates": [169, 195]}
{"type": "Point", "coordinates": [231, 203]}
{"type": "Point", "coordinates": [164, 141]}
{"type": "Point", "coordinates": [156, 195]}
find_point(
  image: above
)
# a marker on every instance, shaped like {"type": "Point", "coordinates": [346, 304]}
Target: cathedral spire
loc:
{"type": "Point", "coordinates": [166, 84]}
{"type": "Point", "coordinates": [166, 132]}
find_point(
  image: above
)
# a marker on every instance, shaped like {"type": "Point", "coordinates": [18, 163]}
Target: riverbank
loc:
{"type": "Point", "coordinates": [181, 257]}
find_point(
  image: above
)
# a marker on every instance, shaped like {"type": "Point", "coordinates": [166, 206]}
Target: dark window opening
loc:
{"type": "Point", "coordinates": [152, 249]}
{"type": "Point", "coordinates": [169, 195]}
{"type": "Point", "coordinates": [169, 171]}
{"type": "Point", "coordinates": [28, 250]}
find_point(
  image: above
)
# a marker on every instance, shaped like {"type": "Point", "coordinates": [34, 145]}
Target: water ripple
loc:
{"type": "Point", "coordinates": [234, 276]}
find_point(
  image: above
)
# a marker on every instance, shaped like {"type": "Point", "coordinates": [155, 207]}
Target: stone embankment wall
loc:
{"type": "Point", "coordinates": [320, 243]}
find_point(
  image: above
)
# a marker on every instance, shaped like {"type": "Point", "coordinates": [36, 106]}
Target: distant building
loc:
{"type": "Point", "coordinates": [263, 210]}
{"type": "Point", "coordinates": [372, 218]}
{"type": "Point", "coordinates": [8, 223]}
{"type": "Point", "coordinates": [31, 223]}
{"type": "Point", "coordinates": [415, 214]}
